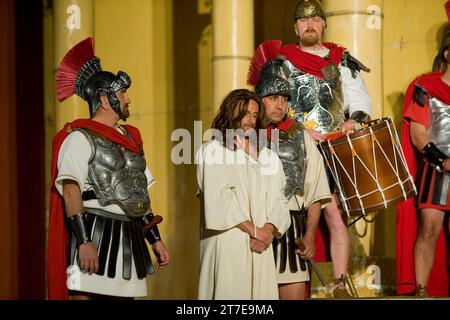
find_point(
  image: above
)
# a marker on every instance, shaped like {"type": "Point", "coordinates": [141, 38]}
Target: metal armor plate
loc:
{"type": "Point", "coordinates": [317, 103]}
{"type": "Point", "coordinates": [118, 176]}
{"type": "Point", "coordinates": [439, 131]}
{"type": "Point", "coordinates": [292, 154]}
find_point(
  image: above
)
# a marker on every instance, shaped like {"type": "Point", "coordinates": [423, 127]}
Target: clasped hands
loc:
{"type": "Point", "coordinates": [262, 238]}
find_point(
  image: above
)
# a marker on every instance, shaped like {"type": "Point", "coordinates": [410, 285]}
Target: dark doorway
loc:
{"type": "Point", "coordinates": [30, 149]}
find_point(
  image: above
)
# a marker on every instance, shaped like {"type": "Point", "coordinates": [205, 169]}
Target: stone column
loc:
{"type": "Point", "coordinates": [233, 38]}
{"type": "Point", "coordinates": [357, 25]}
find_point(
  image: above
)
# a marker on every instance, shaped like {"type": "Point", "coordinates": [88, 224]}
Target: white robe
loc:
{"type": "Point", "coordinates": [232, 193]}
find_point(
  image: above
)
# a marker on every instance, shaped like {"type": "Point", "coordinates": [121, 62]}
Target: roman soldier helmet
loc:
{"type": "Point", "coordinates": [271, 82]}
{"type": "Point", "coordinates": [265, 71]}
{"type": "Point", "coordinates": [308, 9]}
{"type": "Point", "coordinates": [80, 73]}
{"type": "Point", "coordinates": [440, 63]}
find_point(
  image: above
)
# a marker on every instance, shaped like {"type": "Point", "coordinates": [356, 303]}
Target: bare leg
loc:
{"type": "Point", "coordinates": [292, 291]}
{"type": "Point", "coordinates": [430, 226]}
{"type": "Point", "coordinates": [340, 241]}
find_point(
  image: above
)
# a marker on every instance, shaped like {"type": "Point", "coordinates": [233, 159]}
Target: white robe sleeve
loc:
{"type": "Point", "coordinates": [316, 180]}
{"type": "Point", "coordinates": [277, 204]}
{"type": "Point", "coordinates": [356, 97]}
{"type": "Point", "coordinates": [73, 159]}
{"type": "Point", "coordinates": [218, 190]}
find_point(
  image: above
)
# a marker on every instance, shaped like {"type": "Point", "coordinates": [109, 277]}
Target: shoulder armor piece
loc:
{"type": "Point", "coordinates": [419, 95]}
{"type": "Point", "coordinates": [353, 64]}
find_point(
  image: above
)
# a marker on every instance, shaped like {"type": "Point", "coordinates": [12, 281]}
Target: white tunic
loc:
{"type": "Point", "coordinates": [73, 161]}
{"type": "Point", "coordinates": [232, 193]}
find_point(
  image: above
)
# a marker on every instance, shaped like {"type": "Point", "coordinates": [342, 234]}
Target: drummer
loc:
{"type": "Point", "coordinates": [306, 190]}
{"type": "Point", "coordinates": [325, 85]}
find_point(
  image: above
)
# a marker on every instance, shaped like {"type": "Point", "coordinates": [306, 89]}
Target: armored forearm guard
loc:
{"type": "Point", "coordinates": [79, 227]}
{"type": "Point", "coordinates": [433, 154]}
{"type": "Point", "coordinates": [151, 233]}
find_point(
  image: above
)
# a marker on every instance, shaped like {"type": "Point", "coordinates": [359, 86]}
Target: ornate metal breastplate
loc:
{"type": "Point", "coordinates": [318, 103]}
{"type": "Point", "coordinates": [439, 130]}
{"type": "Point", "coordinates": [117, 176]}
{"type": "Point", "coordinates": [292, 154]}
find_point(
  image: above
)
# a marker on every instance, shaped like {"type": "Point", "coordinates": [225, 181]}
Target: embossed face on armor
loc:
{"type": "Point", "coordinates": [292, 154]}
{"type": "Point", "coordinates": [275, 107]}
{"type": "Point", "coordinates": [317, 103]}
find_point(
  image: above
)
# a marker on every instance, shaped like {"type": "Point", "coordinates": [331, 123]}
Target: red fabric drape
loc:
{"type": "Point", "coordinates": [311, 63]}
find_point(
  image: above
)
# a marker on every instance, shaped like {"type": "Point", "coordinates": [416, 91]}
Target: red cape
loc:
{"type": "Point", "coordinates": [311, 63]}
{"type": "Point", "coordinates": [407, 215]}
{"type": "Point", "coordinates": [57, 230]}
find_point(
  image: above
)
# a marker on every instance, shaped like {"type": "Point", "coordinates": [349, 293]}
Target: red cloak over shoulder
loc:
{"type": "Point", "coordinates": [407, 215]}
{"type": "Point", "coordinates": [57, 230]}
{"type": "Point", "coordinates": [311, 63]}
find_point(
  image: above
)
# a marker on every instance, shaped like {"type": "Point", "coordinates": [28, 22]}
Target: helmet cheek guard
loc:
{"type": "Point", "coordinates": [121, 81]}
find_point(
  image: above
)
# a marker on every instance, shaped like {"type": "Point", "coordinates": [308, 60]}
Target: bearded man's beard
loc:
{"type": "Point", "coordinates": [125, 114]}
{"type": "Point", "coordinates": [309, 38]}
